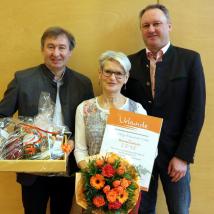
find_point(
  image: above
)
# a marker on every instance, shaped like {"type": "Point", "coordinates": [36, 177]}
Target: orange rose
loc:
{"type": "Point", "coordinates": [106, 189]}
{"type": "Point", "coordinates": [98, 201]}
{"type": "Point", "coordinates": [99, 163]}
{"type": "Point", "coordinates": [119, 189]}
{"type": "Point", "coordinates": [125, 182]}
{"type": "Point", "coordinates": [120, 170]}
{"type": "Point", "coordinates": [111, 196]}
{"type": "Point", "coordinates": [116, 183]}
{"type": "Point", "coordinates": [111, 160]}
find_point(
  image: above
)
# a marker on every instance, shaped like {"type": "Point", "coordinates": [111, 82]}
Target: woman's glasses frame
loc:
{"type": "Point", "coordinates": [118, 75]}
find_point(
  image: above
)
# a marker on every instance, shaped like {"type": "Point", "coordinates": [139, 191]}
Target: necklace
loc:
{"type": "Point", "coordinates": [111, 102]}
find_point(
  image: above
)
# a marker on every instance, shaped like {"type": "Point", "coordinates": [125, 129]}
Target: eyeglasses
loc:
{"type": "Point", "coordinates": [117, 74]}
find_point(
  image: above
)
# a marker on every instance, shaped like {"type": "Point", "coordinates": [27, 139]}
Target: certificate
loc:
{"type": "Point", "coordinates": [134, 137]}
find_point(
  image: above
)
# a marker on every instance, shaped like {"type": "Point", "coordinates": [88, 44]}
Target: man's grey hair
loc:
{"type": "Point", "coordinates": [116, 56]}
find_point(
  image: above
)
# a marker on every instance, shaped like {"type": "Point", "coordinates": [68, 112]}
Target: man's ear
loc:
{"type": "Point", "coordinates": [71, 52]}
{"type": "Point", "coordinates": [170, 26]}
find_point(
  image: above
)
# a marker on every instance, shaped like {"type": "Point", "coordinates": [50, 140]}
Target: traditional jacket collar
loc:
{"type": "Point", "coordinates": [50, 75]}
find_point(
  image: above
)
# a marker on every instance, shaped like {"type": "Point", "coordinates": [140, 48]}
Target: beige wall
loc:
{"type": "Point", "coordinates": [100, 25]}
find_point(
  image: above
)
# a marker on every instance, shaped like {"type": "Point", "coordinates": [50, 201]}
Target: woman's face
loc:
{"type": "Point", "coordinates": [112, 77]}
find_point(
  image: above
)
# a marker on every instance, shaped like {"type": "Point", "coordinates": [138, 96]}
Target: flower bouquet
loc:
{"type": "Point", "coordinates": [108, 185]}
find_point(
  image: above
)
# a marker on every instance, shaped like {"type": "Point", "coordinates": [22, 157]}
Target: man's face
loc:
{"type": "Point", "coordinates": [155, 29]}
{"type": "Point", "coordinates": [56, 53]}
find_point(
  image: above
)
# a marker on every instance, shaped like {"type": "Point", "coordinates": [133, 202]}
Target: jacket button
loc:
{"type": "Point", "coordinates": [148, 83]}
{"type": "Point", "coordinates": [149, 101]}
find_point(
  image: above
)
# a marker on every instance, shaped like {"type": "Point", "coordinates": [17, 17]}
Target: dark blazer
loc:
{"type": "Point", "coordinates": [23, 94]}
{"type": "Point", "coordinates": [179, 99]}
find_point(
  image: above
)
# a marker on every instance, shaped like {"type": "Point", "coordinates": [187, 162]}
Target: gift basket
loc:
{"type": "Point", "coordinates": [109, 184]}
{"type": "Point", "coordinates": [33, 138]}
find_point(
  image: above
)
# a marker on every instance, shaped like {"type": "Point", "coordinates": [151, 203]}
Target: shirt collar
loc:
{"type": "Point", "coordinates": [51, 74]}
{"type": "Point", "coordinates": [60, 79]}
{"type": "Point", "coordinates": [163, 49]}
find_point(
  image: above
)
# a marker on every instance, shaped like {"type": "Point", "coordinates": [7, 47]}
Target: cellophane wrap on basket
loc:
{"type": "Point", "coordinates": [109, 184]}
{"type": "Point", "coordinates": [32, 138]}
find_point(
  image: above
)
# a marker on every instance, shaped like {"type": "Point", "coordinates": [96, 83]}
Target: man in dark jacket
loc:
{"type": "Point", "coordinates": [67, 89]}
{"type": "Point", "coordinates": [169, 82]}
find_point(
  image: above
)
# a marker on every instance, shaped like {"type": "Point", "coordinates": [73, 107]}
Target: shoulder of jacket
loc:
{"type": "Point", "coordinates": [78, 75]}
{"type": "Point", "coordinates": [184, 51]}
{"type": "Point", "coordinates": [137, 54]}
{"type": "Point", "coordinates": [28, 72]}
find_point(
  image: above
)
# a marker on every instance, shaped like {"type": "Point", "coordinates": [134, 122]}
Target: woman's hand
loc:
{"type": "Point", "coordinates": [82, 164]}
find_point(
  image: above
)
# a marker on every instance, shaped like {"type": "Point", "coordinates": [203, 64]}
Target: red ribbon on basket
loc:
{"type": "Point", "coordinates": [35, 127]}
